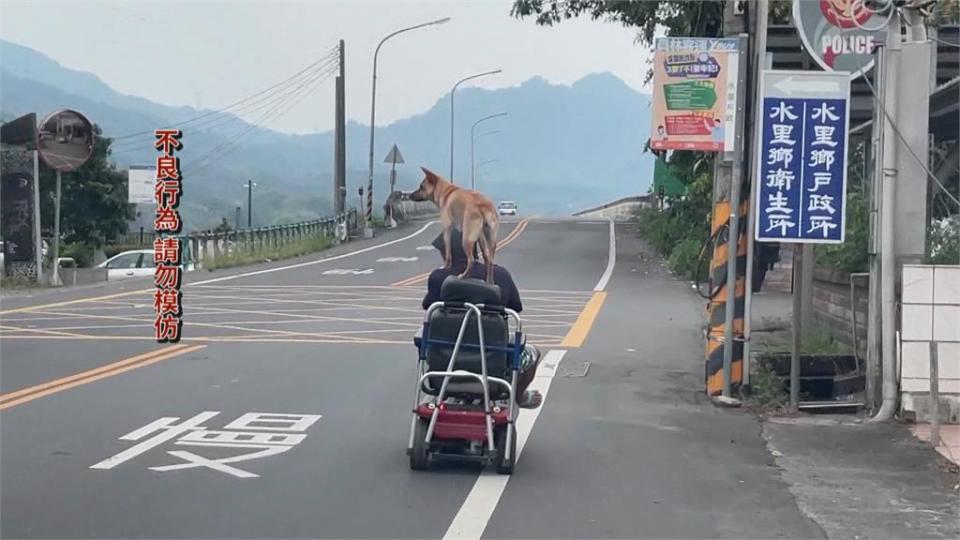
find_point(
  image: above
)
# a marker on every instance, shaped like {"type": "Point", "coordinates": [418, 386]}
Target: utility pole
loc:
{"type": "Point", "coordinates": [887, 175]}
{"type": "Point", "coordinates": [340, 144]}
{"type": "Point", "coordinates": [759, 13]}
{"type": "Point", "coordinates": [249, 186]}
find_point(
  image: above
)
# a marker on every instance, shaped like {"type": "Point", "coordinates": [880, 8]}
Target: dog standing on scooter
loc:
{"type": "Point", "coordinates": [470, 211]}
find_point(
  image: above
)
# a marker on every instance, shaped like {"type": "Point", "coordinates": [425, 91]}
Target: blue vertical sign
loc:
{"type": "Point", "coordinates": [801, 186]}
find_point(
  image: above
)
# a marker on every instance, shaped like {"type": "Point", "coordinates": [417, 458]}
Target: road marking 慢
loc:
{"type": "Point", "coordinates": [482, 500]}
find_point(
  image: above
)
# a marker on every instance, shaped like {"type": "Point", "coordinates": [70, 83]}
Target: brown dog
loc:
{"type": "Point", "coordinates": [470, 211]}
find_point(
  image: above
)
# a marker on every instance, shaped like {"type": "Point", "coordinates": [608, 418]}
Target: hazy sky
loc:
{"type": "Point", "coordinates": [210, 54]}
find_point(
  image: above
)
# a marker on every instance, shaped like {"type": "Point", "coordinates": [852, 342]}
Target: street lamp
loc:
{"type": "Point", "coordinates": [373, 104]}
{"type": "Point", "coordinates": [473, 141]}
{"type": "Point", "coordinates": [478, 168]}
{"type": "Point", "coordinates": [249, 185]}
{"type": "Point", "coordinates": [454, 91]}
{"type": "Point", "coordinates": [472, 128]}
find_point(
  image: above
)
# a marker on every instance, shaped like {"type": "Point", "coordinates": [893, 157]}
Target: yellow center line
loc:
{"type": "Point", "coordinates": [419, 278]}
{"type": "Point", "coordinates": [578, 333]}
{"type": "Point", "coordinates": [72, 302]}
{"type": "Point", "coordinates": [31, 393]}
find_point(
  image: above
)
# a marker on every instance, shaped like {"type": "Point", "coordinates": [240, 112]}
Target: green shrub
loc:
{"type": "Point", "coordinates": [851, 255]}
{"type": "Point", "coordinates": [944, 241]}
{"type": "Point", "coordinates": [767, 390]}
{"type": "Point", "coordinates": [243, 258]}
{"type": "Point", "coordinates": [684, 258]}
{"type": "Point", "coordinates": [80, 252]}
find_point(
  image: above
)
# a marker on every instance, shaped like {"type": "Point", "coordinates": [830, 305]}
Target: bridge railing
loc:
{"type": "Point", "coordinates": [210, 245]}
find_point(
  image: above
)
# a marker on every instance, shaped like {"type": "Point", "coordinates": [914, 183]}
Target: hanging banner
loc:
{"type": "Point", "coordinates": [694, 94]}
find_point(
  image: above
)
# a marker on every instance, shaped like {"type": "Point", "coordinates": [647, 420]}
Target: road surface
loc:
{"type": "Point", "coordinates": [106, 434]}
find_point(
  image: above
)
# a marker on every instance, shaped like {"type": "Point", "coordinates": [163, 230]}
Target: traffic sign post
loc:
{"type": "Point", "coordinates": [393, 157]}
{"type": "Point", "coordinates": [802, 152]}
{"type": "Point", "coordinates": [801, 182]}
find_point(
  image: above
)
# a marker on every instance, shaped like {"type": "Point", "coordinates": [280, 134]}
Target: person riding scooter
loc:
{"type": "Point", "coordinates": [510, 296]}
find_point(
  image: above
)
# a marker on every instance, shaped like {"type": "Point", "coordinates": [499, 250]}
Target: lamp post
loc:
{"type": "Point", "coordinates": [473, 141]}
{"type": "Point", "coordinates": [373, 105]}
{"type": "Point", "coordinates": [250, 185]}
{"type": "Point", "coordinates": [478, 168]}
{"type": "Point", "coordinates": [472, 130]}
{"type": "Point", "coordinates": [452, 93]}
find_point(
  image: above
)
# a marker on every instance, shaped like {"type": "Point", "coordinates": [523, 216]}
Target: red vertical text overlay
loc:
{"type": "Point", "coordinates": [167, 248]}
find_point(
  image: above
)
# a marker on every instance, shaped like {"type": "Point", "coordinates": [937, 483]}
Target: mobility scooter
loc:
{"type": "Point", "coordinates": [465, 406]}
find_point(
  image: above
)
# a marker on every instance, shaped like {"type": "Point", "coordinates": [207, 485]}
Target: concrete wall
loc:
{"type": "Point", "coordinates": [405, 210]}
{"type": "Point", "coordinates": [620, 210]}
{"type": "Point", "coordinates": [832, 311]}
{"type": "Point", "coordinates": [930, 313]}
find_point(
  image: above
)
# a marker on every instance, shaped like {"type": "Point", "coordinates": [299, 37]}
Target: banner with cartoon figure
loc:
{"type": "Point", "coordinates": [695, 94]}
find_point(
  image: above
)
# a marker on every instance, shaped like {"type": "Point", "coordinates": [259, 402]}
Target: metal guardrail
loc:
{"type": "Point", "coordinates": [73, 264]}
{"type": "Point", "coordinates": [209, 244]}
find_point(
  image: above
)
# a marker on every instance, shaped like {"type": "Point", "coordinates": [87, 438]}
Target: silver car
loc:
{"type": "Point", "coordinates": [507, 208]}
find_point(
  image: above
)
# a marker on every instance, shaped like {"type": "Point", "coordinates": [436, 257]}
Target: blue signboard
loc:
{"type": "Point", "coordinates": [802, 151]}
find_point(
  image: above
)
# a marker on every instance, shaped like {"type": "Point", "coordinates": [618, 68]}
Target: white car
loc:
{"type": "Point", "coordinates": [507, 208]}
{"type": "Point", "coordinates": [129, 264]}
{"type": "Point", "coordinates": [132, 264]}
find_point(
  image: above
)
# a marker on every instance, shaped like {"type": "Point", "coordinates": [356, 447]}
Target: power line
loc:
{"type": "Point", "coordinates": [290, 99]}
{"type": "Point", "coordinates": [333, 52]}
{"type": "Point", "coordinates": [223, 119]}
{"type": "Point", "coordinates": [907, 145]}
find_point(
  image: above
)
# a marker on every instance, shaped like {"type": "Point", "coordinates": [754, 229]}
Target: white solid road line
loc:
{"type": "Point", "coordinates": [611, 260]}
{"type": "Point", "coordinates": [482, 500]}
{"type": "Point", "coordinates": [318, 261]}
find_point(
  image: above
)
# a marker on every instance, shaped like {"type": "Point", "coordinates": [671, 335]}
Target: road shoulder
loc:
{"type": "Point", "coordinates": [858, 480]}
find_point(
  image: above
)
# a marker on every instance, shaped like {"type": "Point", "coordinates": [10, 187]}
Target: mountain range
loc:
{"type": "Point", "coordinates": [560, 149]}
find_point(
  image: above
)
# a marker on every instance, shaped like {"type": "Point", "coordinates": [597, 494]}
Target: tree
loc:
{"type": "Point", "coordinates": [94, 210]}
{"type": "Point", "coordinates": [223, 227]}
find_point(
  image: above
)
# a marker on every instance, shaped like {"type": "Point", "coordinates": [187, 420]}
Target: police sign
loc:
{"type": "Point", "coordinates": [840, 34]}
{"type": "Point", "coordinates": [802, 153]}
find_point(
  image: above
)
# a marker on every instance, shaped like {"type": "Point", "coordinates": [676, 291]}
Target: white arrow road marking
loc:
{"type": "Point", "coordinates": [482, 500]}
{"type": "Point", "coordinates": [348, 271]}
{"type": "Point", "coordinates": [317, 261]}
{"type": "Point", "coordinates": [424, 248]}
{"type": "Point", "coordinates": [398, 259]}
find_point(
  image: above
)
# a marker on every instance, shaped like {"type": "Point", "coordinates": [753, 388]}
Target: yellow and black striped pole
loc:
{"type": "Point", "coordinates": [716, 308]}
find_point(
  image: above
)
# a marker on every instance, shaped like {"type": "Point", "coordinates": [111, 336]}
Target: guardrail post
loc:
{"type": "Point", "coordinates": [216, 247]}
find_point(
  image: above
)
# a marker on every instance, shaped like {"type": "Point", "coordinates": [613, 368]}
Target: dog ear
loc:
{"type": "Point", "coordinates": [431, 177]}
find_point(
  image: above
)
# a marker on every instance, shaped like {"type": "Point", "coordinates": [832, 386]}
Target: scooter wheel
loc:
{"type": "Point", "coordinates": [504, 464]}
{"type": "Point", "coordinates": [419, 459]}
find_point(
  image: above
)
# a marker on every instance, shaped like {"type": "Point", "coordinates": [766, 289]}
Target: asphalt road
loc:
{"type": "Point", "coordinates": [320, 347]}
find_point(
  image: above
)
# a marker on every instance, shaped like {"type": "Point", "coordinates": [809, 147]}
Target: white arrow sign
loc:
{"type": "Point", "coordinates": [792, 85]}
{"type": "Point", "coordinates": [397, 259]}
{"type": "Point", "coordinates": [347, 271]}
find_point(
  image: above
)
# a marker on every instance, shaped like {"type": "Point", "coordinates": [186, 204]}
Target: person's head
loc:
{"type": "Point", "coordinates": [716, 121]}
{"type": "Point", "coordinates": [456, 247]}
{"type": "Point", "coordinates": [660, 130]}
